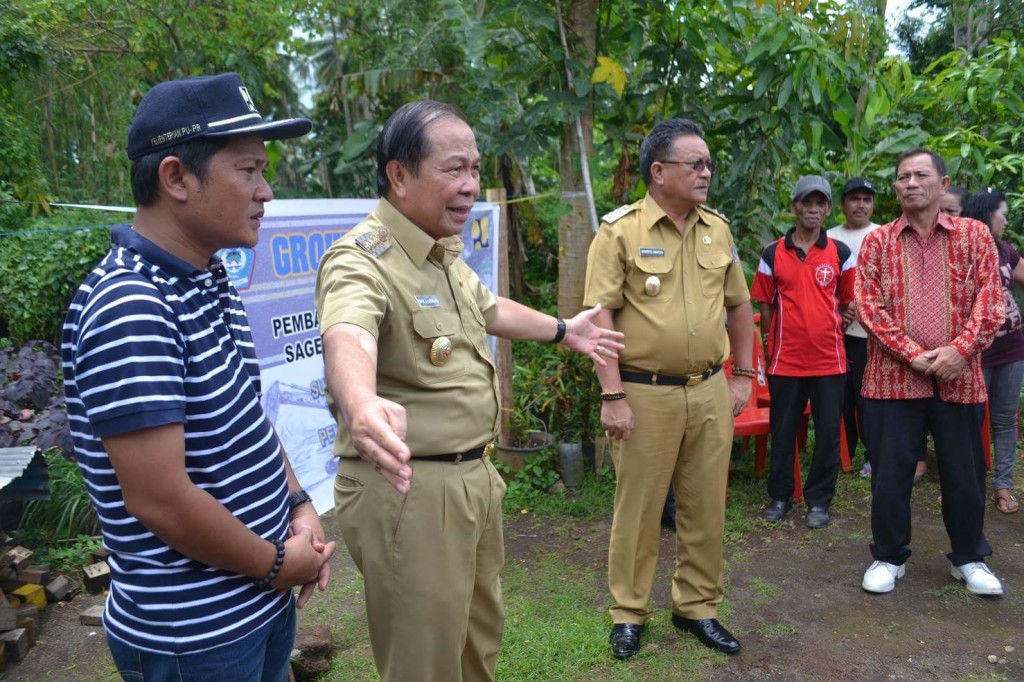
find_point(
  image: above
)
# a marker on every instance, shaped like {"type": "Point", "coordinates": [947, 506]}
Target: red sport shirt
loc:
{"type": "Point", "coordinates": [806, 338]}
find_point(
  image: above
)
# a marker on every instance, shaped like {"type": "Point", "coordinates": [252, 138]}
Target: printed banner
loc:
{"type": "Point", "coordinates": [276, 282]}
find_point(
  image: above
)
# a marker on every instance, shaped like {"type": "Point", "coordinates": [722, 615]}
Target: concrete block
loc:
{"type": "Point", "coordinates": [91, 616]}
{"type": "Point", "coordinates": [9, 617]}
{"type": "Point", "coordinates": [30, 611]}
{"type": "Point", "coordinates": [97, 576]}
{"type": "Point", "coordinates": [29, 626]}
{"type": "Point", "coordinates": [58, 589]}
{"type": "Point", "coordinates": [21, 558]}
{"type": "Point", "coordinates": [15, 643]}
{"type": "Point", "coordinates": [37, 574]}
{"type": "Point", "coordinates": [32, 594]}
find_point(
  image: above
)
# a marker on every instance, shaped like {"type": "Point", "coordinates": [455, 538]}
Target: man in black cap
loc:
{"type": "Point", "coordinates": [858, 204]}
{"type": "Point", "coordinates": [207, 527]}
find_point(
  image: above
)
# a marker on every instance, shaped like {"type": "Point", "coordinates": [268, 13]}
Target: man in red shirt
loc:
{"type": "Point", "coordinates": [929, 295]}
{"type": "Point", "coordinates": [804, 282]}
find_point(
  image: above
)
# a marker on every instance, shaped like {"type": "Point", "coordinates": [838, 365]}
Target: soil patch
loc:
{"type": "Point", "coordinates": [793, 597]}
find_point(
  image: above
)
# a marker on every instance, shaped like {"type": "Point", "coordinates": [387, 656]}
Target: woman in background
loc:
{"type": "Point", "coordinates": [1003, 361]}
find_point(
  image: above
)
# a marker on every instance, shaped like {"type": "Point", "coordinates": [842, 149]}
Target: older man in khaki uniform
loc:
{"type": "Point", "coordinates": [405, 323]}
{"type": "Point", "coordinates": [666, 271]}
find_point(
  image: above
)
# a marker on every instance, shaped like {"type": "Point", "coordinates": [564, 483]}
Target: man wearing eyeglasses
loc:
{"type": "Point", "coordinates": [666, 272]}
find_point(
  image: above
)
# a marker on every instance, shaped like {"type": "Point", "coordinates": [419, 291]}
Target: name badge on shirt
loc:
{"type": "Point", "coordinates": [428, 301]}
{"type": "Point", "coordinates": [649, 252]}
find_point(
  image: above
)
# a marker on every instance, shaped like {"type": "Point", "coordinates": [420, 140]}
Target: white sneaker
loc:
{"type": "Point", "coordinates": [881, 577]}
{"type": "Point", "coordinates": [978, 578]}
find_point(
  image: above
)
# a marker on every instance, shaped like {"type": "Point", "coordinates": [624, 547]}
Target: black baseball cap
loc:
{"type": "Point", "coordinates": [208, 106]}
{"type": "Point", "coordinates": [854, 184]}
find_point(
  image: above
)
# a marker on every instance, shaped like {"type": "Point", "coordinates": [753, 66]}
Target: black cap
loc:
{"type": "Point", "coordinates": [853, 184]}
{"type": "Point", "coordinates": [209, 106]}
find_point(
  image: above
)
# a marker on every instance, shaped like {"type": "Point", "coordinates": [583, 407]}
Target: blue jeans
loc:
{"type": "Point", "coordinates": [1003, 384]}
{"type": "Point", "coordinates": [261, 655]}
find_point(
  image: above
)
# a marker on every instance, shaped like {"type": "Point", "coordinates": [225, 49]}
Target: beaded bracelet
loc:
{"type": "Point", "coordinates": [265, 582]}
{"type": "Point", "coordinates": [744, 372]}
{"type": "Point", "coordinates": [618, 395]}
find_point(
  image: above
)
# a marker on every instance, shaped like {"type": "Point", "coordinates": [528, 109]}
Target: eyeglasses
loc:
{"type": "Point", "coordinates": [698, 166]}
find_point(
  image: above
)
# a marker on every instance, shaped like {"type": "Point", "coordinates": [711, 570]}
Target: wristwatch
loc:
{"type": "Point", "coordinates": [296, 498]}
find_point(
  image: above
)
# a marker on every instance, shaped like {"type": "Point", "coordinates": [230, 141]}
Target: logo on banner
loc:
{"type": "Point", "coordinates": [824, 274]}
{"type": "Point", "coordinates": [238, 262]}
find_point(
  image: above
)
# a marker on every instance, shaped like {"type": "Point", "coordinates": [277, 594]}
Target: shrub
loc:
{"type": "Point", "coordinates": [39, 273]}
{"type": "Point", "coordinates": [68, 513]}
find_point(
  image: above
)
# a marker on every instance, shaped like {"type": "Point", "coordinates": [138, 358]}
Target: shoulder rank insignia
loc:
{"type": "Point", "coordinates": [375, 243]}
{"type": "Point", "coordinates": [705, 207]}
{"type": "Point", "coordinates": [618, 213]}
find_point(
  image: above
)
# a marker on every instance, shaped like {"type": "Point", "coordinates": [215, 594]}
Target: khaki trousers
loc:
{"type": "Point", "coordinates": [430, 561]}
{"type": "Point", "coordinates": [682, 435]}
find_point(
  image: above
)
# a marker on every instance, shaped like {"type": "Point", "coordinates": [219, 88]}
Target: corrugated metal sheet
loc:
{"type": "Point", "coordinates": [23, 474]}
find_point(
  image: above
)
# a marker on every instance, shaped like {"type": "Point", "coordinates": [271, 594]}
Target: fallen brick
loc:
{"type": "Point", "coordinates": [15, 644]}
{"type": "Point", "coordinates": [97, 576]}
{"type": "Point", "coordinates": [91, 616]}
{"type": "Point", "coordinates": [32, 594]}
{"type": "Point", "coordinates": [58, 589]}
{"type": "Point", "coordinates": [37, 574]}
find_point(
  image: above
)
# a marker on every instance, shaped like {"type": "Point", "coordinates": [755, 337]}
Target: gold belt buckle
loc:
{"type": "Point", "coordinates": [694, 379]}
{"type": "Point", "coordinates": [489, 449]}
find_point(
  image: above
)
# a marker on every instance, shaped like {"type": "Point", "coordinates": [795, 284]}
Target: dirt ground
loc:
{"type": "Point", "coordinates": [793, 598]}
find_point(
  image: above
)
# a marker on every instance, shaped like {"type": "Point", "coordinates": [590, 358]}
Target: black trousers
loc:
{"type": "Point", "coordinates": [785, 412]}
{"type": "Point", "coordinates": [853, 403]}
{"type": "Point", "coordinates": [894, 430]}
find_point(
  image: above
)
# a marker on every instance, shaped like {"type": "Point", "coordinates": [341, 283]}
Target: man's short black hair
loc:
{"type": "Point", "coordinates": [194, 155]}
{"type": "Point", "coordinates": [403, 137]}
{"type": "Point", "coordinates": [981, 205]}
{"type": "Point", "coordinates": [937, 162]}
{"type": "Point", "coordinates": [661, 137]}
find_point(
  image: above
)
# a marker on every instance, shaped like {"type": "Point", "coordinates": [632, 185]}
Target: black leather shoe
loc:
{"type": "Point", "coordinates": [625, 639]}
{"type": "Point", "coordinates": [817, 517]}
{"type": "Point", "coordinates": [710, 632]}
{"type": "Point", "coordinates": [777, 510]}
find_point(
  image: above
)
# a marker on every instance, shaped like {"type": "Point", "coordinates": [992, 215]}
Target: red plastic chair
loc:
{"type": "Point", "coordinates": [753, 421]}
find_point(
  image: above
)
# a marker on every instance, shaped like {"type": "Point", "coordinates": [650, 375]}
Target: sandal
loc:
{"type": "Point", "coordinates": [1006, 502]}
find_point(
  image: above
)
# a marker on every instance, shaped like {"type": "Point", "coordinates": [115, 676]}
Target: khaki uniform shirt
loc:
{"type": "Point", "coordinates": [669, 291]}
{"type": "Point", "coordinates": [408, 290]}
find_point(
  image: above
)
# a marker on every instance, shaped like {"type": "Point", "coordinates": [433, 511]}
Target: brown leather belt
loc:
{"type": "Point", "coordinates": [667, 380]}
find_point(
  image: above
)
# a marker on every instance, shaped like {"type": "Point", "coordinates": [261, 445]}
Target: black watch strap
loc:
{"type": "Point", "coordinates": [298, 497]}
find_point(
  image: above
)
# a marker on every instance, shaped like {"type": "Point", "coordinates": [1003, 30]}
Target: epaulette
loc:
{"type": "Point", "coordinates": [375, 243]}
{"type": "Point", "coordinates": [619, 212]}
{"type": "Point", "coordinates": [712, 211]}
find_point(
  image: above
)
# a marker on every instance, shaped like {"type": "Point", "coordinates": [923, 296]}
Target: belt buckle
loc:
{"type": "Point", "coordinates": [488, 449]}
{"type": "Point", "coordinates": [694, 379]}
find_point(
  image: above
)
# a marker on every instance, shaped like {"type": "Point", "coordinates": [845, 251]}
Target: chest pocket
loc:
{"type": "Point", "coordinates": [711, 266]}
{"type": "Point", "coordinates": [653, 280]}
{"type": "Point", "coordinates": [430, 324]}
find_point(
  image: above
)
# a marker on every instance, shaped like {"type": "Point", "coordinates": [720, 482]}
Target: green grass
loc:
{"type": "Point", "coordinates": [777, 630]}
{"type": "Point", "coordinates": [954, 591]}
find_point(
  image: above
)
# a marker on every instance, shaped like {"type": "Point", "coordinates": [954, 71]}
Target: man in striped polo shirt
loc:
{"type": "Point", "coordinates": [804, 282]}
{"type": "Point", "coordinates": [207, 527]}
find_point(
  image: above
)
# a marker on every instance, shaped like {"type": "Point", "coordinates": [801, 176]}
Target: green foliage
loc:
{"type": "Point", "coordinates": [70, 555]}
{"type": "Point", "coordinates": [39, 273]}
{"type": "Point", "coordinates": [68, 513]}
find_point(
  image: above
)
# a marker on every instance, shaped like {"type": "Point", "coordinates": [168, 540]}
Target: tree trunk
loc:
{"type": "Point", "coordinates": [574, 230]}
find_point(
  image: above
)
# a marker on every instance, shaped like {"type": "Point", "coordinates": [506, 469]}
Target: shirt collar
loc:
{"type": "Point", "coordinates": [653, 213]}
{"type": "Point", "coordinates": [126, 237]}
{"type": "Point", "coordinates": [413, 240]}
{"type": "Point", "coordinates": [944, 220]}
{"type": "Point", "coordinates": [821, 242]}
